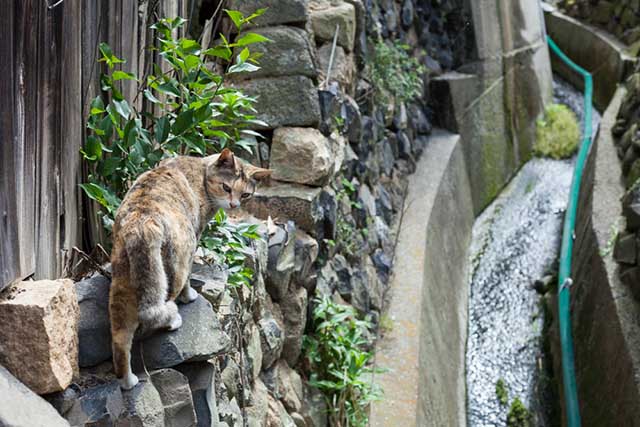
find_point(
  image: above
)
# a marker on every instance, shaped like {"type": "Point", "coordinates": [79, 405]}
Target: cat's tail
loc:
{"type": "Point", "coordinates": [147, 275]}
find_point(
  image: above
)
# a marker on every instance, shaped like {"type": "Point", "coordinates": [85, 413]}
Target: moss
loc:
{"type": "Point", "coordinates": [519, 415]}
{"type": "Point", "coordinates": [501, 392]}
{"type": "Point", "coordinates": [558, 134]}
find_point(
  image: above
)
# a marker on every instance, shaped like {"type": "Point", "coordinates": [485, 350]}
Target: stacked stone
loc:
{"type": "Point", "coordinates": [619, 17]}
{"type": "Point", "coordinates": [627, 140]}
{"type": "Point", "coordinates": [234, 360]}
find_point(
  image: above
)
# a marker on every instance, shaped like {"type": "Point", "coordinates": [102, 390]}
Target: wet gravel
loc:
{"type": "Point", "coordinates": [515, 242]}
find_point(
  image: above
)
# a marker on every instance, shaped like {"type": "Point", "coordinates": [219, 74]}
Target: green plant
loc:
{"type": "Point", "coordinates": [339, 362]}
{"type": "Point", "coordinates": [346, 233]}
{"type": "Point", "coordinates": [501, 392]}
{"type": "Point", "coordinates": [558, 133]}
{"type": "Point", "coordinates": [190, 110]}
{"type": "Point", "coordinates": [519, 415]}
{"type": "Point", "coordinates": [230, 244]}
{"type": "Point", "coordinates": [394, 72]}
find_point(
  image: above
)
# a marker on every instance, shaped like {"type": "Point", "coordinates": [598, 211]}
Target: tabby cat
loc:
{"type": "Point", "coordinates": [155, 235]}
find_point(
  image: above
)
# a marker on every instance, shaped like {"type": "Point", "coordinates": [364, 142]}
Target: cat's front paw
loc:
{"type": "Point", "coordinates": [128, 382]}
{"type": "Point", "coordinates": [188, 295]}
{"type": "Point", "coordinates": [175, 323]}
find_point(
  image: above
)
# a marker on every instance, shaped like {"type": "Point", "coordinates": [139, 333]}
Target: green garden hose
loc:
{"type": "Point", "coordinates": [568, 235]}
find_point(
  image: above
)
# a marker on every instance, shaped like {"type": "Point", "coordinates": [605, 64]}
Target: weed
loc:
{"type": "Point", "coordinates": [501, 392]}
{"type": "Point", "coordinates": [339, 362]}
{"type": "Point", "coordinates": [519, 415]}
{"type": "Point", "coordinates": [395, 73]}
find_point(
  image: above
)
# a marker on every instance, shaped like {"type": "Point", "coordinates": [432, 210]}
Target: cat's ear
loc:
{"type": "Point", "coordinates": [226, 160]}
{"type": "Point", "coordinates": [259, 174]}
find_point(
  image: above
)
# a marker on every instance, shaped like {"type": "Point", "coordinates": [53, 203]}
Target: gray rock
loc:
{"type": "Point", "coordinates": [625, 250]}
{"type": "Point", "coordinates": [103, 403]}
{"type": "Point", "coordinates": [294, 313]}
{"type": "Point", "coordinates": [312, 209]}
{"type": "Point", "coordinates": [254, 350]}
{"type": "Point", "coordinates": [210, 281]}
{"type": "Point", "coordinates": [94, 335]}
{"type": "Point", "coordinates": [281, 261]}
{"type": "Point", "coordinates": [407, 13]}
{"type": "Point", "coordinates": [271, 340]}
{"type": "Point", "coordinates": [289, 53]}
{"type": "Point", "coordinates": [257, 412]}
{"type": "Point", "coordinates": [175, 394]}
{"type": "Point", "coordinates": [301, 155]}
{"type": "Point", "coordinates": [327, 281]}
{"type": "Point", "coordinates": [278, 11]}
{"type": "Point", "coordinates": [199, 339]}
{"type": "Point", "coordinates": [21, 407]}
{"type": "Point", "coordinates": [387, 159]}
{"type": "Point", "coordinates": [314, 407]}
{"type": "Point", "coordinates": [631, 208]}
{"type": "Point", "coordinates": [201, 377]}
{"type": "Point", "coordinates": [342, 69]}
{"type": "Point", "coordinates": [230, 414]}
{"type": "Point", "coordinates": [327, 17]}
{"type": "Point", "coordinates": [231, 378]}
{"type": "Point", "coordinates": [306, 253]}
{"type": "Point", "coordinates": [277, 415]}
{"type": "Point", "coordinates": [366, 199]}
{"type": "Point", "coordinates": [284, 384]}
{"type": "Point", "coordinates": [284, 101]}
{"type": "Point", "coordinates": [382, 263]}
{"type": "Point", "coordinates": [384, 205]}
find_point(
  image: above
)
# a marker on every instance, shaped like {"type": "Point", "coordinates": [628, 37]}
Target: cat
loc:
{"type": "Point", "coordinates": [155, 235]}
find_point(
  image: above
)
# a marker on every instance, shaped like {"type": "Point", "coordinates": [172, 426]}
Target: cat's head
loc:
{"type": "Point", "coordinates": [231, 181]}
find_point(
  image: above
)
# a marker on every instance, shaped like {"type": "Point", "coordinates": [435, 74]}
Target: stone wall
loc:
{"type": "Point", "coordinates": [340, 164]}
{"type": "Point", "coordinates": [619, 17]}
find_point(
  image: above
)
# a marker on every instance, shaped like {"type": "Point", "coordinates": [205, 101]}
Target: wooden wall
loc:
{"type": "Point", "coordinates": [48, 76]}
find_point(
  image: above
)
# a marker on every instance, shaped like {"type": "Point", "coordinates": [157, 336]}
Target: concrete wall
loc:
{"type": "Point", "coordinates": [594, 50]}
{"type": "Point", "coordinates": [424, 352]}
{"type": "Point", "coordinates": [494, 99]}
{"type": "Point", "coordinates": [604, 313]}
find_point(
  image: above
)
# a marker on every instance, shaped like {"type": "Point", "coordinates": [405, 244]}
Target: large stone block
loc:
{"type": "Point", "coordinates": [342, 69]}
{"type": "Point", "coordinates": [175, 394]}
{"type": "Point", "coordinates": [312, 209]}
{"type": "Point", "coordinates": [281, 260]}
{"type": "Point", "coordinates": [22, 407]}
{"type": "Point", "coordinates": [198, 339]}
{"type": "Point", "coordinates": [288, 53]}
{"type": "Point", "coordinates": [294, 313]}
{"type": "Point", "coordinates": [104, 403]}
{"type": "Point", "coordinates": [301, 155]}
{"type": "Point", "coordinates": [94, 336]}
{"type": "Point", "coordinates": [325, 18]}
{"type": "Point", "coordinates": [278, 11]}
{"type": "Point", "coordinates": [284, 101]}
{"type": "Point", "coordinates": [39, 333]}
{"type": "Point", "coordinates": [201, 376]}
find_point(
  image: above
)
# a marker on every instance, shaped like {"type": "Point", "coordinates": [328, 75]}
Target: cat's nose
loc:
{"type": "Point", "coordinates": [233, 205]}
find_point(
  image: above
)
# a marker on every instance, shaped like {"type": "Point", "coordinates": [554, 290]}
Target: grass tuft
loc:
{"type": "Point", "coordinates": [557, 134]}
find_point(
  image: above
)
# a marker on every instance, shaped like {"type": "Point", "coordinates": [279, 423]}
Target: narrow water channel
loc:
{"type": "Point", "coordinates": [515, 242]}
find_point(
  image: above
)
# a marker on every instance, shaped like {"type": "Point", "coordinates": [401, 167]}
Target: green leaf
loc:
{"type": "Point", "coordinates": [123, 75]}
{"type": "Point", "coordinates": [222, 52]}
{"type": "Point", "coordinates": [189, 46]}
{"type": "Point", "coordinates": [191, 62]}
{"type": "Point", "coordinates": [236, 17]}
{"type": "Point", "coordinates": [250, 38]}
{"type": "Point", "coordinates": [108, 56]}
{"type": "Point", "coordinates": [242, 67]}
{"type": "Point", "coordinates": [150, 97]}
{"type": "Point", "coordinates": [169, 88]}
{"type": "Point", "coordinates": [92, 149]}
{"type": "Point", "coordinates": [162, 129]}
{"type": "Point", "coordinates": [244, 54]}
{"type": "Point", "coordinates": [122, 107]}
{"type": "Point", "coordinates": [183, 122]}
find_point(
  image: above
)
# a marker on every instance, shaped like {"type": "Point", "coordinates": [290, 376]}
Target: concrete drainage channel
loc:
{"type": "Point", "coordinates": [426, 384]}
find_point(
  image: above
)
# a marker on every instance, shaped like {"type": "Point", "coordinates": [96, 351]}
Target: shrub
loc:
{"type": "Point", "coordinates": [557, 134]}
{"type": "Point", "coordinates": [191, 111]}
{"type": "Point", "coordinates": [501, 392]}
{"type": "Point", "coordinates": [339, 362]}
{"type": "Point", "coordinates": [394, 72]}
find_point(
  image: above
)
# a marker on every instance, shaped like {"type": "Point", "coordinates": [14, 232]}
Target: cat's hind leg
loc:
{"type": "Point", "coordinates": [180, 270]}
{"type": "Point", "coordinates": [124, 322]}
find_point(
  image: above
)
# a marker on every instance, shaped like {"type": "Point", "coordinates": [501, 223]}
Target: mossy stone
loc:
{"type": "Point", "coordinates": [558, 133]}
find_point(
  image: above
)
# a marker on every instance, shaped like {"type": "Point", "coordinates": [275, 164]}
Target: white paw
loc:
{"type": "Point", "coordinates": [175, 323]}
{"type": "Point", "coordinates": [188, 296]}
{"type": "Point", "coordinates": [128, 382]}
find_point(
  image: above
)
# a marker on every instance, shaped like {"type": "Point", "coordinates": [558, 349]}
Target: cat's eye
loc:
{"type": "Point", "coordinates": [246, 195]}
{"type": "Point", "coordinates": [226, 188]}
